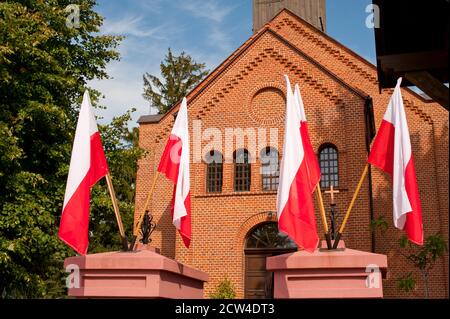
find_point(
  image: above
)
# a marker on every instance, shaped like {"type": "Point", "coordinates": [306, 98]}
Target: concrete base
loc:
{"type": "Point", "coordinates": [341, 273]}
{"type": "Point", "coordinates": [142, 273]}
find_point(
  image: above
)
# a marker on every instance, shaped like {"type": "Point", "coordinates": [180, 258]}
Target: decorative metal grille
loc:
{"type": "Point", "coordinates": [214, 172]}
{"type": "Point", "coordinates": [267, 235]}
{"type": "Point", "coordinates": [242, 171]}
{"type": "Point", "coordinates": [329, 166]}
{"type": "Point", "coordinates": [270, 169]}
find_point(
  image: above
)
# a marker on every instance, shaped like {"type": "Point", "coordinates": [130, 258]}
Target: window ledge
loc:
{"type": "Point", "coordinates": [250, 193]}
{"type": "Point", "coordinates": [229, 194]}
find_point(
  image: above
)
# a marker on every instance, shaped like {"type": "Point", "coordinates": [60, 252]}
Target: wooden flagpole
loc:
{"type": "Point", "coordinates": [116, 211]}
{"type": "Point", "coordinates": [323, 216]}
{"type": "Point", "coordinates": [350, 207]}
{"type": "Point", "coordinates": [137, 226]}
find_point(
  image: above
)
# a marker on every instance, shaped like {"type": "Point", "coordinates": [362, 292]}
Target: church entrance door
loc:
{"type": "Point", "coordinates": [263, 241]}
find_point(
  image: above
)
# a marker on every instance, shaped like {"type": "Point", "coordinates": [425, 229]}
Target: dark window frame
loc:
{"type": "Point", "coordinates": [214, 172]}
{"type": "Point", "coordinates": [270, 181]}
{"type": "Point", "coordinates": [329, 165]}
{"type": "Point", "coordinates": [267, 236]}
{"type": "Point", "coordinates": [242, 171]}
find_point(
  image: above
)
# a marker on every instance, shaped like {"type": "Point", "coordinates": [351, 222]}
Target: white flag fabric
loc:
{"type": "Point", "coordinates": [175, 165]}
{"type": "Point", "coordinates": [295, 208]}
{"type": "Point", "coordinates": [392, 152]}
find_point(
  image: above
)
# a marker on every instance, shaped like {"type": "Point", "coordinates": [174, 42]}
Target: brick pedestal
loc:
{"type": "Point", "coordinates": [342, 273]}
{"type": "Point", "coordinates": [143, 273]}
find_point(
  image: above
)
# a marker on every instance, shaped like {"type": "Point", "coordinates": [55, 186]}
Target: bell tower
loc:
{"type": "Point", "coordinates": [312, 11]}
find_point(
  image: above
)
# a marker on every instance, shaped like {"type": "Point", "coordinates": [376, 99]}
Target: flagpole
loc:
{"type": "Point", "coordinates": [137, 226]}
{"type": "Point", "coordinates": [116, 211]}
{"type": "Point", "coordinates": [350, 207]}
{"type": "Point", "coordinates": [323, 216]}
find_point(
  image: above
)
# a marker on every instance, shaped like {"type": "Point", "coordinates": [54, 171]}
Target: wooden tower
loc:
{"type": "Point", "coordinates": [313, 11]}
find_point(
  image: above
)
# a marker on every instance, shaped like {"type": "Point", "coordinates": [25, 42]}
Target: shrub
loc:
{"type": "Point", "coordinates": [224, 290]}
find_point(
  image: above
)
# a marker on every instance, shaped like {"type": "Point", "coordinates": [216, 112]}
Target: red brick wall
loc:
{"type": "Point", "coordinates": [237, 98]}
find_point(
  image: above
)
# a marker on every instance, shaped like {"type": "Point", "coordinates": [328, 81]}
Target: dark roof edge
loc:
{"type": "Point", "coordinates": [152, 118]}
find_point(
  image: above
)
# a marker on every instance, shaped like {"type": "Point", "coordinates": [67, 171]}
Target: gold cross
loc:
{"type": "Point", "coordinates": [332, 192]}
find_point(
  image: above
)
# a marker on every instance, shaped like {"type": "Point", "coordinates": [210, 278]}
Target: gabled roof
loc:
{"type": "Point", "coordinates": [266, 29]}
{"type": "Point", "coordinates": [345, 48]}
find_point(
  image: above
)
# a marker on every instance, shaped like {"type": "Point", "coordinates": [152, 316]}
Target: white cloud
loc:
{"type": "Point", "coordinates": [121, 93]}
{"type": "Point", "coordinates": [220, 39]}
{"type": "Point", "coordinates": [125, 87]}
{"type": "Point", "coordinates": [155, 6]}
{"type": "Point", "coordinates": [133, 26]}
{"type": "Point", "coordinates": [209, 9]}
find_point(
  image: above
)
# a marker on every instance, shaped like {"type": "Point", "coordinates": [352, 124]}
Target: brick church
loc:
{"type": "Point", "coordinates": [233, 186]}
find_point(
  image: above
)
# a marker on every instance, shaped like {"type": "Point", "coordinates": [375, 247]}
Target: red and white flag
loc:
{"type": "Point", "coordinates": [87, 166]}
{"type": "Point", "coordinates": [295, 207]}
{"type": "Point", "coordinates": [312, 163]}
{"type": "Point", "coordinates": [391, 152]}
{"type": "Point", "coordinates": [175, 165]}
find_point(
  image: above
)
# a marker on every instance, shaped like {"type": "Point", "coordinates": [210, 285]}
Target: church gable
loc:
{"type": "Point", "coordinates": [264, 64]}
{"type": "Point", "coordinates": [260, 64]}
{"type": "Point", "coordinates": [348, 69]}
{"type": "Point", "coordinates": [249, 93]}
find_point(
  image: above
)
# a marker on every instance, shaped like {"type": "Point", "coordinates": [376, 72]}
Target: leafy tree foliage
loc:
{"type": "Point", "coordinates": [44, 68]}
{"type": "Point", "coordinates": [406, 283]}
{"type": "Point", "coordinates": [424, 257]}
{"type": "Point", "coordinates": [180, 75]}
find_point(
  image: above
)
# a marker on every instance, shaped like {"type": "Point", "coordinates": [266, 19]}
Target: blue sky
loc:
{"type": "Point", "coordinates": [208, 30]}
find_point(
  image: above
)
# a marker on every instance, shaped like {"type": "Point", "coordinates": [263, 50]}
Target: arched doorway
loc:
{"type": "Point", "coordinates": [263, 241]}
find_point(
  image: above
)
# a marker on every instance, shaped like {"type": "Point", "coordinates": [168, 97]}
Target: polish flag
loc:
{"type": "Point", "coordinates": [175, 165]}
{"type": "Point", "coordinates": [295, 208]}
{"type": "Point", "coordinates": [312, 164]}
{"type": "Point", "coordinates": [391, 152]}
{"type": "Point", "coordinates": [87, 166]}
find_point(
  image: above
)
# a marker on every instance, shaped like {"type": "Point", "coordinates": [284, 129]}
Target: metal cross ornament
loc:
{"type": "Point", "coordinates": [332, 191]}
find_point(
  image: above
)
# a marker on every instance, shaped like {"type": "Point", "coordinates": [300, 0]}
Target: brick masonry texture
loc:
{"type": "Point", "coordinates": [247, 91]}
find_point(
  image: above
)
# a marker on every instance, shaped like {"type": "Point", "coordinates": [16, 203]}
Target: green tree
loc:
{"type": "Point", "coordinates": [44, 67]}
{"type": "Point", "coordinates": [406, 283]}
{"type": "Point", "coordinates": [424, 257]}
{"type": "Point", "coordinates": [180, 74]}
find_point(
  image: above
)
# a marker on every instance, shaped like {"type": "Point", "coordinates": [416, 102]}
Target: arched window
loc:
{"type": "Point", "coordinates": [242, 170]}
{"type": "Point", "coordinates": [329, 166]}
{"type": "Point", "coordinates": [214, 172]}
{"type": "Point", "coordinates": [270, 169]}
{"type": "Point", "coordinates": [267, 236]}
